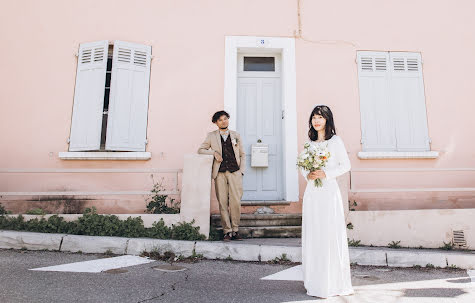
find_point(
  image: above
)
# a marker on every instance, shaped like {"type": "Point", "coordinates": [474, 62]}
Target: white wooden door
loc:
{"type": "Point", "coordinates": [260, 118]}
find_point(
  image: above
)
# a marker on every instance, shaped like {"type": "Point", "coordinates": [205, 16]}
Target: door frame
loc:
{"type": "Point", "coordinates": [286, 48]}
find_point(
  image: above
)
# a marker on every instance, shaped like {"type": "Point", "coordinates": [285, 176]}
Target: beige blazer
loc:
{"type": "Point", "coordinates": [212, 144]}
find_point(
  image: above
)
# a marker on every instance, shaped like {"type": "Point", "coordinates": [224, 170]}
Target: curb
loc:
{"type": "Point", "coordinates": [375, 256]}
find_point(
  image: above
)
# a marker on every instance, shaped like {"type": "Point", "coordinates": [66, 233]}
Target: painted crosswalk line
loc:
{"type": "Point", "coordinates": [99, 265]}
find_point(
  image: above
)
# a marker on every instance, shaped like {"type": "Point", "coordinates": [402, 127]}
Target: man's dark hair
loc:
{"type": "Point", "coordinates": [218, 115]}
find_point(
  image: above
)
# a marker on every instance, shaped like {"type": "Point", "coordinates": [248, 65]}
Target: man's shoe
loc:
{"type": "Point", "coordinates": [236, 236]}
{"type": "Point", "coordinates": [227, 237]}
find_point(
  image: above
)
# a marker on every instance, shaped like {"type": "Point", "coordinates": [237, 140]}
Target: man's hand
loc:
{"type": "Point", "coordinates": [218, 157]}
{"type": "Point", "coordinates": [318, 174]}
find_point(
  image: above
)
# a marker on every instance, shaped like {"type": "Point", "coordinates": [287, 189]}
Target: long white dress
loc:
{"type": "Point", "coordinates": [325, 256]}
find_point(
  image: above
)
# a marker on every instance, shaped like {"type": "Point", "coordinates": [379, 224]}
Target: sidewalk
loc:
{"type": "Point", "coordinates": [257, 249]}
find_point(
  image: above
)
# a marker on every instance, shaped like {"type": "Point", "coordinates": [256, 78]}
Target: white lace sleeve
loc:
{"type": "Point", "coordinates": [304, 173]}
{"type": "Point", "coordinates": [341, 155]}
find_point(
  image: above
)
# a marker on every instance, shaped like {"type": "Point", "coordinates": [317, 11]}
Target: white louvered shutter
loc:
{"type": "Point", "coordinates": [408, 100]}
{"type": "Point", "coordinates": [86, 120]}
{"type": "Point", "coordinates": [377, 125]}
{"type": "Point", "coordinates": [128, 105]}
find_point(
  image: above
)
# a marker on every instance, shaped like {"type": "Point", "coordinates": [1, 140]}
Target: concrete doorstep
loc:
{"type": "Point", "coordinates": [261, 250]}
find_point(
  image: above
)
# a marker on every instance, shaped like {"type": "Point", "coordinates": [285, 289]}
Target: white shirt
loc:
{"type": "Point", "coordinates": [224, 134]}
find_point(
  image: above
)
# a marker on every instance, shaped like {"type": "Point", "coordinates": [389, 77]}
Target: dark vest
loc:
{"type": "Point", "coordinates": [229, 160]}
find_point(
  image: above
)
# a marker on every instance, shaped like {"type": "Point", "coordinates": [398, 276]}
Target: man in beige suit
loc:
{"type": "Point", "coordinates": [228, 168]}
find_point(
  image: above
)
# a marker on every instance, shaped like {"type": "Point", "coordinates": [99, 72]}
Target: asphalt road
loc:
{"type": "Point", "coordinates": [213, 281]}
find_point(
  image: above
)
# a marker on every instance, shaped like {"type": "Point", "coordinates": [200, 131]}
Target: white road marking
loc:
{"type": "Point", "coordinates": [99, 265]}
{"type": "Point", "coordinates": [291, 274]}
{"type": "Point", "coordinates": [471, 274]}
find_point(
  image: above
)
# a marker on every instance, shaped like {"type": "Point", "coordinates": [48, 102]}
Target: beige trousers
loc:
{"type": "Point", "coordinates": [228, 188]}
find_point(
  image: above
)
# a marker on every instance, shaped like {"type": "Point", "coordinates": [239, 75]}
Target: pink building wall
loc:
{"type": "Point", "coordinates": [38, 63]}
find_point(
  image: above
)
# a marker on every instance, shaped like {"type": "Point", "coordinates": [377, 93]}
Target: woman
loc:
{"type": "Point", "coordinates": [325, 257]}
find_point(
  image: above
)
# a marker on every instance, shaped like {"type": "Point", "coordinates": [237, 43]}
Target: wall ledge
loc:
{"type": "Point", "coordinates": [105, 155]}
{"type": "Point", "coordinates": [398, 155]}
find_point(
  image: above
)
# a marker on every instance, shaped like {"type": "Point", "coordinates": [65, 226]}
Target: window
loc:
{"type": "Point", "coordinates": [111, 97]}
{"type": "Point", "coordinates": [392, 102]}
{"type": "Point", "coordinates": [259, 64]}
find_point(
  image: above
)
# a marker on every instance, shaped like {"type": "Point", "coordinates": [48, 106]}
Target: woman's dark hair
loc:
{"type": "Point", "coordinates": [326, 113]}
{"type": "Point", "coordinates": [218, 115]}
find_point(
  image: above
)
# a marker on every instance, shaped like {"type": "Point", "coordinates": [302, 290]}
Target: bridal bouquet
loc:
{"type": "Point", "coordinates": [313, 158]}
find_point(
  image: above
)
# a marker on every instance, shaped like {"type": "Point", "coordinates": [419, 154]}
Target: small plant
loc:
{"type": "Point", "coordinates": [352, 205]}
{"type": "Point", "coordinates": [195, 257]}
{"type": "Point", "coordinates": [3, 211]}
{"type": "Point", "coordinates": [280, 260]}
{"type": "Point", "coordinates": [108, 253]}
{"type": "Point", "coordinates": [394, 244]}
{"type": "Point", "coordinates": [161, 203]}
{"type": "Point", "coordinates": [229, 258]}
{"type": "Point", "coordinates": [36, 211]}
{"type": "Point", "coordinates": [354, 243]}
{"type": "Point", "coordinates": [353, 263]}
{"type": "Point", "coordinates": [167, 256]}
{"type": "Point", "coordinates": [452, 266]}
{"type": "Point", "coordinates": [349, 225]}
{"type": "Point", "coordinates": [429, 265]}
{"type": "Point", "coordinates": [416, 266]}
{"type": "Point", "coordinates": [447, 246]}
{"type": "Point", "coordinates": [186, 231]}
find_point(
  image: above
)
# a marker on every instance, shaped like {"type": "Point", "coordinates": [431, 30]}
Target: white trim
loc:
{"type": "Point", "coordinates": [82, 193]}
{"type": "Point", "coordinates": [286, 47]}
{"type": "Point", "coordinates": [397, 190]}
{"type": "Point", "coordinates": [428, 169]}
{"type": "Point", "coordinates": [399, 155]}
{"type": "Point", "coordinates": [105, 155]}
{"type": "Point", "coordinates": [89, 170]}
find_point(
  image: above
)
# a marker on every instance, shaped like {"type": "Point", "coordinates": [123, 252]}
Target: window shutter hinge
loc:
{"type": "Point", "coordinates": [283, 114]}
{"type": "Point", "coordinates": [361, 141]}
{"type": "Point", "coordinates": [430, 140]}
{"type": "Point", "coordinates": [69, 140]}
{"type": "Point", "coordinates": [76, 54]}
{"type": "Point", "coordinates": [146, 141]}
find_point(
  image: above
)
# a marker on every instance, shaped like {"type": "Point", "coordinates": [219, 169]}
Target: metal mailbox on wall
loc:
{"type": "Point", "coordinates": [260, 155]}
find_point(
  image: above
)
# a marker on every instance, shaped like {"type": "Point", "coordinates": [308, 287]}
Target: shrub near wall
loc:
{"type": "Point", "coordinates": [93, 224]}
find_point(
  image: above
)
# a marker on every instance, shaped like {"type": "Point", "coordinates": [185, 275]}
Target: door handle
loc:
{"type": "Point", "coordinates": [259, 141]}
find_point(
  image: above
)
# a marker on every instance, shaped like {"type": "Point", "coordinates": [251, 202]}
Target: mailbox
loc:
{"type": "Point", "coordinates": [259, 155]}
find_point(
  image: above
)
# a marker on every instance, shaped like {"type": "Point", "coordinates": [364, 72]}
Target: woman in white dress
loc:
{"type": "Point", "coordinates": [325, 256]}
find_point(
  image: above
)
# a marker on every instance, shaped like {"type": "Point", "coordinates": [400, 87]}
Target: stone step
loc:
{"type": "Point", "coordinates": [264, 203]}
{"type": "Point", "coordinates": [268, 231]}
{"type": "Point", "coordinates": [253, 220]}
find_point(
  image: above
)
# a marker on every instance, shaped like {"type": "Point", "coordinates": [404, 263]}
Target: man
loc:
{"type": "Point", "coordinates": [228, 168]}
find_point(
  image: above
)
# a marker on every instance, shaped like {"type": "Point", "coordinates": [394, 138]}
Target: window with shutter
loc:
{"type": "Point", "coordinates": [128, 105]}
{"type": "Point", "coordinates": [111, 97]}
{"type": "Point", "coordinates": [408, 102]}
{"type": "Point", "coordinates": [376, 118]}
{"type": "Point", "coordinates": [392, 102]}
{"type": "Point", "coordinates": [86, 119]}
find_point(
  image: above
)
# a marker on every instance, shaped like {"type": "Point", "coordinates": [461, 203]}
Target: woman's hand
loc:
{"type": "Point", "coordinates": [318, 174]}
